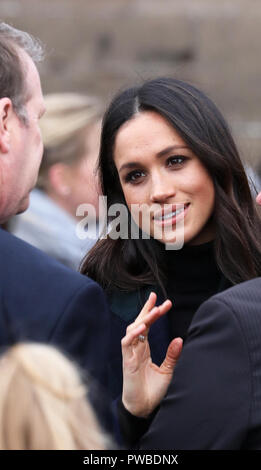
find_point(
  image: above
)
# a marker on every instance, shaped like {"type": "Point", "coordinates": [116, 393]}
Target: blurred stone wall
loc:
{"type": "Point", "coordinates": [99, 46]}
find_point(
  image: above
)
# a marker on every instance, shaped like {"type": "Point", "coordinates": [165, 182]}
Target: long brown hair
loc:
{"type": "Point", "coordinates": [128, 264]}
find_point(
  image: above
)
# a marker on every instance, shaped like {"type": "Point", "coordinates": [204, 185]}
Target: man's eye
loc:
{"type": "Point", "coordinates": [134, 176]}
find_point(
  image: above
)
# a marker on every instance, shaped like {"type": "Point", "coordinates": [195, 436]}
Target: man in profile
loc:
{"type": "Point", "coordinates": [40, 299]}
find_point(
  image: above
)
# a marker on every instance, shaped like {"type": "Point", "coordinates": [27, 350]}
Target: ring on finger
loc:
{"type": "Point", "coordinates": [142, 338]}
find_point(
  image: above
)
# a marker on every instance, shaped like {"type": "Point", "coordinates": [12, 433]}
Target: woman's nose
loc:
{"type": "Point", "coordinates": [161, 189]}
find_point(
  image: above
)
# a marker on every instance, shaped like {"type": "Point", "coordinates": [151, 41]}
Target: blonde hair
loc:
{"type": "Point", "coordinates": [64, 127]}
{"type": "Point", "coordinates": [43, 404]}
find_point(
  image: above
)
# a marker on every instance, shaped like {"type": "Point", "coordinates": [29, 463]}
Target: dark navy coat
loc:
{"type": "Point", "coordinates": [42, 300]}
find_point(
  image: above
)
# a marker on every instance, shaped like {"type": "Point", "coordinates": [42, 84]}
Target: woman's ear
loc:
{"type": "Point", "coordinates": [6, 113]}
{"type": "Point", "coordinates": [258, 198]}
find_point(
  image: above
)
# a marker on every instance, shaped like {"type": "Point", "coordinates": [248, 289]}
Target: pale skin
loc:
{"type": "Point", "coordinates": [144, 383]}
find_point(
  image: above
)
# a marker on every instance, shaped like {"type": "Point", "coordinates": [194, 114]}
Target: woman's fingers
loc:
{"type": "Point", "coordinates": [132, 335]}
{"type": "Point", "coordinates": [156, 313]}
{"type": "Point", "coordinates": [135, 329]}
{"type": "Point", "coordinates": [150, 317]}
{"type": "Point", "coordinates": [148, 305]}
{"type": "Point", "coordinates": [172, 356]}
{"type": "Point", "coordinates": [130, 340]}
{"type": "Point", "coordinates": [165, 306]}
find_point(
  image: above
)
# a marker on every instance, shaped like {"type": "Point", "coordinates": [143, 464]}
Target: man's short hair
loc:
{"type": "Point", "coordinates": [12, 68]}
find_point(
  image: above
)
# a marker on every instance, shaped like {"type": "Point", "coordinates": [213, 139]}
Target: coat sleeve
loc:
{"type": "Point", "coordinates": [209, 400]}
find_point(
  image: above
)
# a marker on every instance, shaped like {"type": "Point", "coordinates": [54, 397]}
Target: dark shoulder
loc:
{"type": "Point", "coordinates": [21, 261]}
{"type": "Point", "coordinates": [245, 294]}
{"type": "Point", "coordinates": [41, 298]}
{"type": "Point", "coordinates": [236, 310]}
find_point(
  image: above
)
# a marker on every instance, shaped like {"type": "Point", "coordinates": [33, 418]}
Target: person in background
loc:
{"type": "Point", "coordinates": [44, 403]}
{"type": "Point", "coordinates": [71, 134]}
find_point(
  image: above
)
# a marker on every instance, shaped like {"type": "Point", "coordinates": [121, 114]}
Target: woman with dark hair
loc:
{"type": "Point", "coordinates": [165, 146]}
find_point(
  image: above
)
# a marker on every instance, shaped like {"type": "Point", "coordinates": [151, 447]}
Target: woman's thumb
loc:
{"type": "Point", "coordinates": [172, 356]}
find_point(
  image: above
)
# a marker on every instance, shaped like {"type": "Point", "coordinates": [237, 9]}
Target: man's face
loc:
{"type": "Point", "coordinates": [20, 166]}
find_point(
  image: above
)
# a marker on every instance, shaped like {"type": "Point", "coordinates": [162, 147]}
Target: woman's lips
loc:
{"type": "Point", "coordinates": [172, 215]}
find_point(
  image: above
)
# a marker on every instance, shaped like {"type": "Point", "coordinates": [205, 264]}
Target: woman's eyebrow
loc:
{"type": "Point", "coordinates": [129, 166]}
{"type": "Point", "coordinates": [170, 149]}
{"type": "Point", "coordinates": [163, 152]}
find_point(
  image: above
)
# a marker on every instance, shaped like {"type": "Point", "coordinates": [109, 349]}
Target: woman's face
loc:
{"type": "Point", "coordinates": [157, 169]}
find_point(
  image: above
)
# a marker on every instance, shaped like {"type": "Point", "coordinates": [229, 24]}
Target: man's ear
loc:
{"type": "Point", "coordinates": [6, 112]}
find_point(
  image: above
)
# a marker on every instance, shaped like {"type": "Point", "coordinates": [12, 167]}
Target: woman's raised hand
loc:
{"type": "Point", "coordinates": [144, 383]}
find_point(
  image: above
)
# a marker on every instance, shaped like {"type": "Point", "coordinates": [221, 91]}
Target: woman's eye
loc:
{"type": "Point", "coordinates": [176, 161]}
{"type": "Point", "coordinates": [134, 176]}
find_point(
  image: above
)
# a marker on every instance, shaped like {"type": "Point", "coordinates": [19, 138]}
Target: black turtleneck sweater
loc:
{"type": "Point", "coordinates": [193, 277]}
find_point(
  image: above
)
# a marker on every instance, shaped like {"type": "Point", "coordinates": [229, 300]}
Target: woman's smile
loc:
{"type": "Point", "coordinates": [171, 214]}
